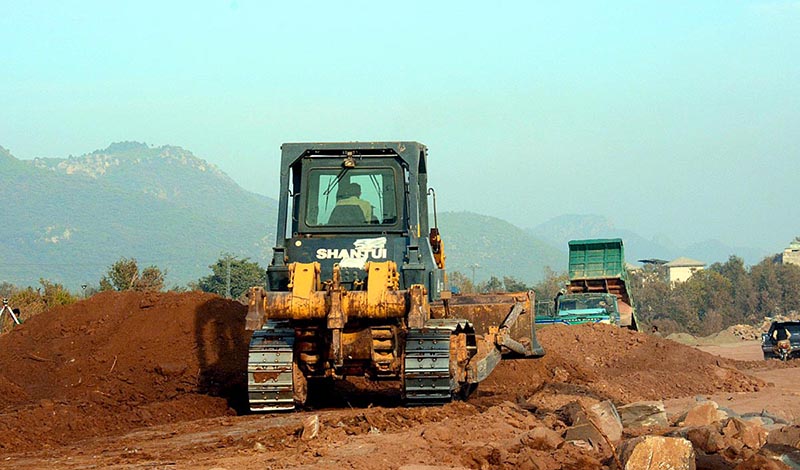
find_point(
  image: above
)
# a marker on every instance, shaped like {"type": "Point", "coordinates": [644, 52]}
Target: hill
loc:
{"type": "Point", "coordinates": [69, 219]}
{"type": "Point", "coordinates": [559, 230]}
{"type": "Point", "coordinates": [498, 247]}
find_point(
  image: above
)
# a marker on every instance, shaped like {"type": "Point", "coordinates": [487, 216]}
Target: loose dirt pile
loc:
{"type": "Point", "coordinates": [120, 361]}
{"type": "Point", "coordinates": [455, 436]}
{"type": "Point", "coordinates": [603, 362]}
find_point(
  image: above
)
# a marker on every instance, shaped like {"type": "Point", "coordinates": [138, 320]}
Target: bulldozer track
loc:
{"type": "Point", "coordinates": [270, 383]}
{"type": "Point", "coordinates": [427, 375]}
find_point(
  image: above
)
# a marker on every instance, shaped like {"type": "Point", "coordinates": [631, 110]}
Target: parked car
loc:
{"type": "Point", "coordinates": [782, 341]}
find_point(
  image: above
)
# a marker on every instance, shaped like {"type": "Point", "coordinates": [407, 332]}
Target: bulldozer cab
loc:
{"type": "Point", "coordinates": [347, 204]}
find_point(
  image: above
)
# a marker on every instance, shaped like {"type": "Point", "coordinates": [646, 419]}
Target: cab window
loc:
{"type": "Point", "coordinates": [351, 197]}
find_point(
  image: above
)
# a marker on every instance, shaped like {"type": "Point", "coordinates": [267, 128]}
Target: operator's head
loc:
{"type": "Point", "coordinates": [349, 190]}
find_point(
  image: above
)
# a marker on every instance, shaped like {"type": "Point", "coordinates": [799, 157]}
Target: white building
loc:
{"type": "Point", "coordinates": [791, 255]}
{"type": "Point", "coordinates": [683, 268]}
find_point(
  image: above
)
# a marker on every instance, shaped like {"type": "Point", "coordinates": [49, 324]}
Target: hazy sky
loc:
{"type": "Point", "coordinates": [672, 118]}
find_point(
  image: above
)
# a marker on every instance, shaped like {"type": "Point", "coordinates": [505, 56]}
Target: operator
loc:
{"type": "Point", "coordinates": [350, 195]}
{"type": "Point", "coordinates": [561, 292]}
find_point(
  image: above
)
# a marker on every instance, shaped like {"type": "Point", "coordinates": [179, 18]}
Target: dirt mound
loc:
{"type": "Point", "coordinates": [601, 362]}
{"type": "Point", "coordinates": [683, 338]}
{"type": "Point", "coordinates": [118, 361]}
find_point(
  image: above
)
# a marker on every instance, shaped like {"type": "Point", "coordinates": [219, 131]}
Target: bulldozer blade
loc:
{"type": "Point", "coordinates": [485, 311]}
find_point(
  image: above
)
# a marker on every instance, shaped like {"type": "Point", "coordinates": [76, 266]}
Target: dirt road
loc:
{"type": "Point", "coordinates": [781, 396]}
{"type": "Point", "coordinates": [141, 381]}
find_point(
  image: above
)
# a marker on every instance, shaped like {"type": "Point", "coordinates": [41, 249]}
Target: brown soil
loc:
{"type": "Point", "coordinates": [119, 361]}
{"type": "Point", "coordinates": [602, 362]}
{"type": "Point", "coordinates": [78, 382]}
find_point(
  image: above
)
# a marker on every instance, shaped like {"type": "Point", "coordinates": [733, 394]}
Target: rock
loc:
{"type": "Point", "coordinates": [759, 462]}
{"type": "Point", "coordinates": [750, 433]}
{"type": "Point", "coordinates": [580, 444]}
{"type": "Point", "coordinates": [170, 369]}
{"type": "Point", "coordinates": [560, 375]}
{"type": "Point", "coordinates": [762, 421]}
{"type": "Point", "coordinates": [786, 436]}
{"type": "Point", "coordinates": [259, 447]}
{"type": "Point", "coordinates": [643, 414]}
{"type": "Point", "coordinates": [772, 457]}
{"type": "Point", "coordinates": [542, 438]}
{"type": "Point", "coordinates": [767, 417]}
{"type": "Point", "coordinates": [729, 412]}
{"type": "Point", "coordinates": [570, 412]}
{"type": "Point", "coordinates": [706, 439]}
{"type": "Point", "coordinates": [310, 427]}
{"type": "Point", "coordinates": [430, 467]}
{"type": "Point", "coordinates": [604, 415]}
{"type": "Point", "coordinates": [584, 433]}
{"type": "Point", "coordinates": [656, 453]}
{"type": "Point", "coordinates": [734, 449]}
{"type": "Point", "coordinates": [725, 413]}
{"type": "Point", "coordinates": [702, 414]}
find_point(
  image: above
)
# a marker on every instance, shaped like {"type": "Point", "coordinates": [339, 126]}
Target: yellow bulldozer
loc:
{"type": "Point", "coordinates": [357, 285]}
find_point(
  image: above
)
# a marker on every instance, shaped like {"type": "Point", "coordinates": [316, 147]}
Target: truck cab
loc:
{"type": "Point", "coordinates": [587, 308]}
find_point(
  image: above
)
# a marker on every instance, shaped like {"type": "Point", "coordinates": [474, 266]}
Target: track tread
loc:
{"type": "Point", "coordinates": [270, 383]}
{"type": "Point", "coordinates": [426, 377]}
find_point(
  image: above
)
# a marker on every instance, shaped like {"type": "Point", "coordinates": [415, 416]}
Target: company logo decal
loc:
{"type": "Point", "coordinates": [363, 250]}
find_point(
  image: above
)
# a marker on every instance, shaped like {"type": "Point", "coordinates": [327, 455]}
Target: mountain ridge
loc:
{"type": "Point", "coordinates": [70, 226]}
{"type": "Point", "coordinates": [73, 217]}
{"type": "Point", "coordinates": [559, 230]}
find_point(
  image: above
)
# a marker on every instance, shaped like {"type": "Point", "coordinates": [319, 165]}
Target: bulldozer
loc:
{"type": "Point", "coordinates": [357, 285]}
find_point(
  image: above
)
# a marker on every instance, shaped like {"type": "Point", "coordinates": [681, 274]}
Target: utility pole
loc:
{"type": "Point", "coordinates": [474, 267]}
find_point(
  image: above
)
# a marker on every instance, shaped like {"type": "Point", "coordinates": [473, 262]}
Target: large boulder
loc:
{"type": "Point", "coordinates": [585, 432]}
{"type": "Point", "coordinates": [605, 416]}
{"type": "Point", "coordinates": [706, 439]}
{"type": "Point", "coordinates": [657, 453]}
{"type": "Point", "coordinates": [643, 414]}
{"type": "Point", "coordinates": [702, 414]}
{"type": "Point", "coordinates": [786, 436]}
{"type": "Point", "coordinates": [750, 433]}
{"type": "Point", "coordinates": [595, 424]}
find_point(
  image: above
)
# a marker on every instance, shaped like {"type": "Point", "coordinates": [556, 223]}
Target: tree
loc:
{"type": "Point", "coordinates": [244, 274]}
{"type": "Point", "coordinates": [124, 275]}
{"type": "Point", "coordinates": [548, 287]}
{"type": "Point", "coordinates": [55, 294]}
{"type": "Point", "coordinates": [492, 285]}
{"type": "Point", "coordinates": [151, 280]}
{"type": "Point", "coordinates": [460, 282]}
{"type": "Point", "coordinates": [512, 284]}
{"type": "Point", "coordinates": [6, 289]}
{"type": "Point", "coordinates": [33, 301]}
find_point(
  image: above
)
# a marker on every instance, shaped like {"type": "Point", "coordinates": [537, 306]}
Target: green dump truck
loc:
{"type": "Point", "coordinates": [598, 289]}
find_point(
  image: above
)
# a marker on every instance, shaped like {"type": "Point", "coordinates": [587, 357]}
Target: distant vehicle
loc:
{"type": "Point", "coordinates": [598, 287]}
{"type": "Point", "coordinates": [782, 341]}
